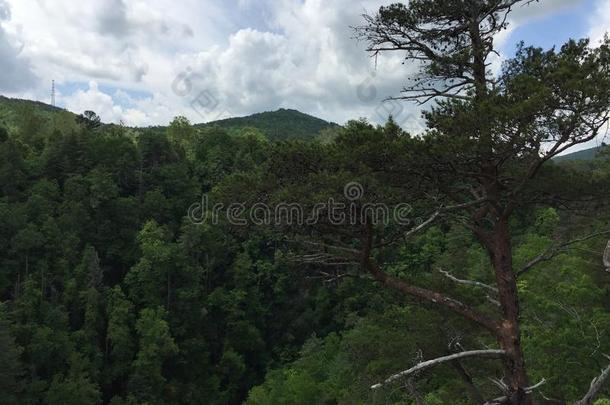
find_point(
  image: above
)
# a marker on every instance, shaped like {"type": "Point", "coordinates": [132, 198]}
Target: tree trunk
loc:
{"type": "Point", "coordinates": [509, 334]}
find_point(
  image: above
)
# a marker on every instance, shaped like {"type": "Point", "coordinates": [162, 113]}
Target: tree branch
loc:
{"type": "Point", "coordinates": [468, 282]}
{"type": "Point", "coordinates": [505, 399]}
{"type": "Point", "coordinates": [435, 362]}
{"type": "Point", "coordinates": [432, 218]}
{"type": "Point", "coordinates": [553, 251]}
{"type": "Point", "coordinates": [597, 385]}
{"type": "Point", "coordinates": [422, 293]}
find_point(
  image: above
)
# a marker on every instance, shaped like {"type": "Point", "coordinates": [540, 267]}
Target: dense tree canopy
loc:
{"type": "Point", "coordinates": [113, 290]}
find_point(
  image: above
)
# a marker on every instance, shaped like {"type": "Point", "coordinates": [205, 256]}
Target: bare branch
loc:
{"type": "Point", "coordinates": [325, 259]}
{"type": "Point", "coordinates": [325, 245]}
{"type": "Point", "coordinates": [468, 282]}
{"type": "Point", "coordinates": [435, 362]}
{"type": "Point", "coordinates": [336, 276]}
{"type": "Point", "coordinates": [432, 218]}
{"type": "Point", "coordinates": [493, 301]}
{"type": "Point", "coordinates": [553, 251]}
{"type": "Point", "coordinates": [505, 399]}
{"type": "Point", "coordinates": [597, 385]}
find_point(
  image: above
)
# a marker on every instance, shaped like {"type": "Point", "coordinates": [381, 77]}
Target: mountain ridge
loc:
{"type": "Point", "coordinates": [585, 154]}
{"type": "Point", "coordinates": [278, 125]}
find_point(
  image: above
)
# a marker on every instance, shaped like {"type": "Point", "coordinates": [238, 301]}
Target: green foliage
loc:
{"type": "Point", "coordinates": [341, 368]}
{"type": "Point", "coordinates": [155, 346]}
{"type": "Point", "coordinates": [95, 233]}
{"type": "Point", "coordinates": [182, 134]}
{"type": "Point", "coordinates": [74, 388]}
{"type": "Point", "coordinates": [279, 125]}
{"type": "Point", "coordinates": [111, 294]}
{"type": "Point", "coordinates": [90, 120]}
{"type": "Point", "coordinates": [11, 369]}
{"type": "Point", "coordinates": [3, 134]}
{"type": "Point", "coordinates": [119, 336]}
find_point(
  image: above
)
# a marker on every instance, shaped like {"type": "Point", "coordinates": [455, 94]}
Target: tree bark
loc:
{"type": "Point", "coordinates": [499, 248]}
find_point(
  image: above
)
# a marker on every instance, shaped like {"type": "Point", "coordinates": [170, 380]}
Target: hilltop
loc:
{"type": "Point", "coordinates": [277, 125]}
{"type": "Point", "coordinates": [586, 154]}
{"type": "Point", "coordinates": [10, 108]}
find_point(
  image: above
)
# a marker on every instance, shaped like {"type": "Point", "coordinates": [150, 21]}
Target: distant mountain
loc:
{"type": "Point", "coordinates": [10, 108]}
{"type": "Point", "coordinates": [587, 154]}
{"type": "Point", "coordinates": [277, 125]}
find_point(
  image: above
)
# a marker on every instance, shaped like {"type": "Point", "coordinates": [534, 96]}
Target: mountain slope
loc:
{"type": "Point", "coordinates": [11, 108]}
{"type": "Point", "coordinates": [587, 154]}
{"type": "Point", "coordinates": [277, 125]}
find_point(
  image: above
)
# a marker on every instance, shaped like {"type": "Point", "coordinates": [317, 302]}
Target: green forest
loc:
{"type": "Point", "coordinates": [490, 287]}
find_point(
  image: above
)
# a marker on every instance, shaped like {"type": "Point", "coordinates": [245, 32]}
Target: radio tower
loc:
{"type": "Point", "coordinates": [53, 93]}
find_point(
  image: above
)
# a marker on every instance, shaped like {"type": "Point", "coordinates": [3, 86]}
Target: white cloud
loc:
{"type": "Point", "coordinates": [206, 59]}
{"type": "Point", "coordinates": [93, 99]}
{"type": "Point", "coordinates": [133, 112]}
{"type": "Point", "coordinates": [145, 45]}
{"type": "Point", "coordinates": [17, 73]}
{"type": "Point", "coordinates": [310, 62]}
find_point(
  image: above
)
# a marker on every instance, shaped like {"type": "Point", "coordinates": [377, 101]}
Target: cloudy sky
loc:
{"type": "Point", "coordinates": [146, 61]}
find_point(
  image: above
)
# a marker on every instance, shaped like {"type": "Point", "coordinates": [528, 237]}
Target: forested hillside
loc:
{"type": "Point", "coordinates": [586, 154]}
{"type": "Point", "coordinates": [111, 293]}
{"type": "Point", "coordinates": [279, 125]}
{"type": "Point", "coordinates": [11, 109]}
{"type": "Point", "coordinates": [109, 289]}
{"type": "Point", "coordinates": [253, 261]}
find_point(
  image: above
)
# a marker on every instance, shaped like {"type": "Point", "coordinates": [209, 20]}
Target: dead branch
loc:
{"type": "Point", "coordinates": [505, 399]}
{"type": "Point", "coordinates": [493, 301]}
{"type": "Point", "coordinates": [325, 246]}
{"type": "Point", "coordinates": [597, 385]}
{"type": "Point", "coordinates": [468, 282]}
{"type": "Point", "coordinates": [432, 218]}
{"type": "Point", "coordinates": [553, 251]}
{"type": "Point", "coordinates": [327, 277]}
{"type": "Point", "coordinates": [435, 362]}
